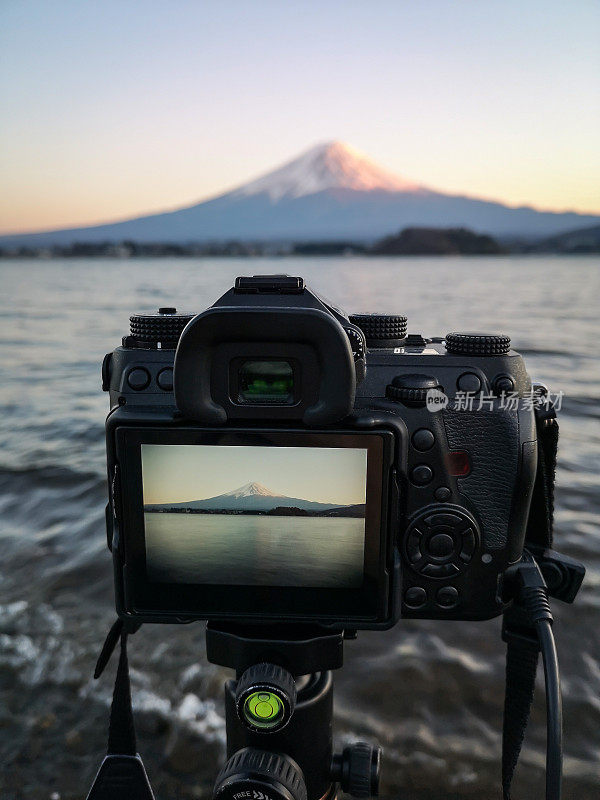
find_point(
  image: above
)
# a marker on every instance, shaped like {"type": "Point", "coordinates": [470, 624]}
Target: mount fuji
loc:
{"type": "Point", "coordinates": [330, 192]}
{"type": "Point", "coordinates": [249, 498]}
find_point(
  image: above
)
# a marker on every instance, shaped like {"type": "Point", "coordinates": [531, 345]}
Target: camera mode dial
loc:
{"type": "Point", "coordinates": [478, 344]}
{"type": "Point", "coordinates": [381, 330]}
{"type": "Point", "coordinates": [148, 330]}
{"type": "Point", "coordinates": [258, 774]}
{"type": "Point", "coordinates": [357, 344]}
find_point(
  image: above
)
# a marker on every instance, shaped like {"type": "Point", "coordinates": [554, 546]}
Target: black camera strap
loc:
{"type": "Point", "coordinates": [121, 775]}
{"type": "Point", "coordinates": [518, 630]}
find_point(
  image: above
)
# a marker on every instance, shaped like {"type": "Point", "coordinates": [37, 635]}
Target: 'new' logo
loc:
{"type": "Point", "coordinates": [435, 400]}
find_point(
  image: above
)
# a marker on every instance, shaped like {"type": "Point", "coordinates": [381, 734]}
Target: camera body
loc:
{"type": "Point", "coordinates": [437, 431]}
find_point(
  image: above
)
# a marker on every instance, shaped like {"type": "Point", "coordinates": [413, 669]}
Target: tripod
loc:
{"type": "Point", "coordinates": [279, 714]}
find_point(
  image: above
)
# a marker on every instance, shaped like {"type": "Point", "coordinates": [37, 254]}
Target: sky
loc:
{"type": "Point", "coordinates": [113, 109]}
{"type": "Point", "coordinates": [175, 473]}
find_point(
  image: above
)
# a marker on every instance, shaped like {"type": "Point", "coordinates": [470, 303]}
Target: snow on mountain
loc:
{"type": "Point", "coordinates": [334, 165]}
{"type": "Point", "coordinates": [250, 490]}
{"type": "Point", "coordinates": [328, 193]}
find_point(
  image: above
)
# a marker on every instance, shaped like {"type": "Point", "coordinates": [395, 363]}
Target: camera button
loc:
{"type": "Point", "coordinates": [421, 475]}
{"type": "Point", "coordinates": [469, 382]}
{"type": "Point", "coordinates": [441, 545]}
{"type": "Point", "coordinates": [138, 379]}
{"type": "Point", "coordinates": [440, 570]}
{"type": "Point", "coordinates": [503, 384]}
{"type": "Point", "coordinates": [433, 570]}
{"type": "Point", "coordinates": [468, 545]}
{"type": "Point", "coordinates": [447, 597]}
{"type": "Point", "coordinates": [449, 570]}
{"type": "Point", "coordinates": [415, 597]}
{"type": "Point", "coordinates": [413, 549]}
{"type": "Point", "coordinates": [443, 518]}
{"type": "Point", "coordinates": [423, 439]}
{"type": "Point", "coordinates": [164, 379]}
{"type": "Point", "coordinates": [443, 493]}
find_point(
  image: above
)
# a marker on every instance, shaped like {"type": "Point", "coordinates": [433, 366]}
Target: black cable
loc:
{"type": "Point", "coordinates": [531, 594]}
{"type": "Point", "coordinates": [553, 710]}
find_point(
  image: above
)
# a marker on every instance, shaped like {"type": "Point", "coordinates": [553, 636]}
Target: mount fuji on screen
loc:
{"type": "Point", "coordinates": [330, 192]}
{"type": "Point", "coordinates": [254, 498]}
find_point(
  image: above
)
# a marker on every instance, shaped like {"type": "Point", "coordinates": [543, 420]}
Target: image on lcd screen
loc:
{"type": "Point", "coordinates": [256, 516]}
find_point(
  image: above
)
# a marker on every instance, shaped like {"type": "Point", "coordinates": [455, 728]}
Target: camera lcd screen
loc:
{"type": "Point", "coordinates": [254, 523]}
{"type": "Point", "coordinates": [255, 516]}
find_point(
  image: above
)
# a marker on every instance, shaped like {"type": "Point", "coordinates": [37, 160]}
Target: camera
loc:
{"type": "Point", "coordinates": [272, 459]}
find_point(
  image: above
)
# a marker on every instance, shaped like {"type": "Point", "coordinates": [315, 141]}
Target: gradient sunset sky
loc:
{"type": "Point", "coordinates": [176, 473]}
{"type": "Point", "coordinates": [117, 108]}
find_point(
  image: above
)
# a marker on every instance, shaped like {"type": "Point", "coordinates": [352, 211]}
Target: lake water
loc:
{"type": "Point", "coordinates": [256, 550]}
{"type": "Point", "coordinates": [430, 693]}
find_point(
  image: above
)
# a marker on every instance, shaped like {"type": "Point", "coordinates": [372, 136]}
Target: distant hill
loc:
{"type": "Point", "coordinates": [582, 240]}
{"type": "Point", "coordinates": [329, 193]}
{"type": "Point", "coordinates": [437, 242]}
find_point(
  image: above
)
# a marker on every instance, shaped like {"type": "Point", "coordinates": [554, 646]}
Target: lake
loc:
{"type": "Point", "coordinates": [430, 693]}
{"type": "Point", "coordinates": [254, 550]}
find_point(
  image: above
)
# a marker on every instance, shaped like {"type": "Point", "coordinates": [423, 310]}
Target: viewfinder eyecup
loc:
{"type": "Point", "coordinates": [269, 349]}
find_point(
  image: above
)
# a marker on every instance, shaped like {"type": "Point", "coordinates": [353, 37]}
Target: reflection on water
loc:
{"type": "Point", "coordinates": [256, 550]}
{"type": "Point", "coordinates": [430, 693]}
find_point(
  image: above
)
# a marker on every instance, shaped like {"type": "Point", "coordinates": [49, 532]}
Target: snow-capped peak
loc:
{"type": "Point", "coordinates": [250, 489]}
{"type": "Point", "coordinates": [334, 165]}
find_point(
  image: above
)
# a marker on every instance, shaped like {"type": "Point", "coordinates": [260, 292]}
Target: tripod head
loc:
{"type": "Point", "coordinates": [279, 716]}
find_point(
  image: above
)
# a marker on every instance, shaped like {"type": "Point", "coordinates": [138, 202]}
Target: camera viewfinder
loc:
{"type": "Point", "coordinates": [263, 381]}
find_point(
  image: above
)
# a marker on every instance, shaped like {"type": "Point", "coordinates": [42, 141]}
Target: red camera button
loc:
{"type": "Point", "coordinates": [459, 463]}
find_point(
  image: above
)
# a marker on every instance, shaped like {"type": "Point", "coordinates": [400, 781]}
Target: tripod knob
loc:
{"type": "Point", "coordinates": [261, 775]}
{"type": "Point", "coordinates": [357, 769]}
{"type": "Point", "coordinates": [265, 697]}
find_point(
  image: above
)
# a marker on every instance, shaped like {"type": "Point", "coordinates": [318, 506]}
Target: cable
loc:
{"type": "Point", "coordinates": [532, 595]}
{"type": "Point", "coordinates": [553, 710]}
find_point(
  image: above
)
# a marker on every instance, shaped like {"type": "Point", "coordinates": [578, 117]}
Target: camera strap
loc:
{"type": "Point", "coordinates": [121, 775]}
{"type": "Point", "coordinates": [519, 633]}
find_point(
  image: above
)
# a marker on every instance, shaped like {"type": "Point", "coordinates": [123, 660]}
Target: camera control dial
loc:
{"type": "Point", "coordinates": [478, 344]}
{"type": "Point", "coordinates": [147, 330]}
{"type": "Point", "coordinates": [381, 330]}
{"type": "Point", "coordinates": [411, 389]}
{"type": "Point", "coordinates": [441, 541]}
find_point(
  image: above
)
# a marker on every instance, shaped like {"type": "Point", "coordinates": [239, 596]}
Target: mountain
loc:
{"type": "Point", "coordinates": [329, 192]}
{"type": "Point", "coordinates": [582, 240]}
{"type": "Point", "coordinates": [252, 497]}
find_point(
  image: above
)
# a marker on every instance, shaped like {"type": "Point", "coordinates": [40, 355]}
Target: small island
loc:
{"type": "Point", "coordinates": [438, 242]}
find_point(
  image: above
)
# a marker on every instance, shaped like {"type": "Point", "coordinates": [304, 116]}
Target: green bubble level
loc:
{"type": "Point", "coordinates": [263, 709]}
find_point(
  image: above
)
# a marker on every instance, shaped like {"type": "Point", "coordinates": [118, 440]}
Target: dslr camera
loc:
{"type": "Point", "coordinates": [272, 459]}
